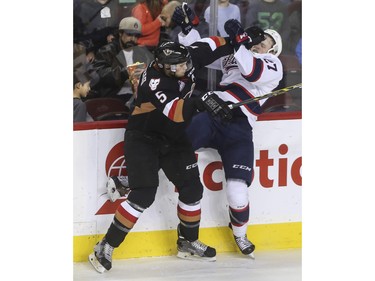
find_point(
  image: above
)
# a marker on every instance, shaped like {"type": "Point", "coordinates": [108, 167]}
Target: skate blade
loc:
{"type": "Point", "coordinates": [251, 255]}
{"type": "Point", "coordinates": [189, 256]}
{"type": "Point", "coordinates": [96, 264]}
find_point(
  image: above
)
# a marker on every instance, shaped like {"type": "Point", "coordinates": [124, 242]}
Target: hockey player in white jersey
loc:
{"type": "Point", "coordinates": [253, 69]}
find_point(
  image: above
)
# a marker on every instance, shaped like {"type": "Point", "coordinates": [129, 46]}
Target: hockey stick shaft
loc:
{"type": "Point", "coordinates": [272, 94]}
{"type": "Point", "coordinates": [186, 16]}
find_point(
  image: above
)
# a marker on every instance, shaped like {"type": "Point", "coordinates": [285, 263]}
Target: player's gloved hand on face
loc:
{"type": "Point", "coordinates": [237, 34]}
{"type": "Point", "coordinates": [185, 17]}
{"type": "Point", "coordinates": [215, 106]}
{"type": "Point", "coordinates": [256, 34]}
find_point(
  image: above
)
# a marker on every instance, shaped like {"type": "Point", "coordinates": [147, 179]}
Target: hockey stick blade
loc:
{"type": "Point", "coordinates": [272, 94]}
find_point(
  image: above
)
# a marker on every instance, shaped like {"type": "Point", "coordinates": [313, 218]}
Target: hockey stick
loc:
{"type": "Point", "coordinates": [186, 16]}
{"type": "Point", "coordinates": [272, 94]}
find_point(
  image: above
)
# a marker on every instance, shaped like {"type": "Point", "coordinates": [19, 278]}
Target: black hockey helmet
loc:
{"type": "Point", "coordinates": [171, 53]}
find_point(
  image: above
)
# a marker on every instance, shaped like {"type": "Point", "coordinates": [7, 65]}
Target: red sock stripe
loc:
{"type": "Point", "coordinates": [126, 214]}
{"type": "Point", "coordinates": [188, 213]}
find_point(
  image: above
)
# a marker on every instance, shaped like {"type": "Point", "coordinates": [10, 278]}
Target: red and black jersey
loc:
{"type": "Point", "coordinates": [159, 104]}
{"type": "Point", "coordinates": [161, 107]}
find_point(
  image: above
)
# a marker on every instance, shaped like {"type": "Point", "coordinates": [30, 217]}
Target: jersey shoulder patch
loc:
{"type": "Point", "coordinates": [153, 84]}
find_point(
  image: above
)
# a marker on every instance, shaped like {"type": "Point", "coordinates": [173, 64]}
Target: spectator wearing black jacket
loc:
{"type": "Point", "coordinates": [112, 60]}
{"type": "Point", "coordinates": [94, 23]}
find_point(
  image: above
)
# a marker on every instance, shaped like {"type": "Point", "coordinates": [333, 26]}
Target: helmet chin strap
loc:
{"type": "Point", "coordinates": [271, 51]}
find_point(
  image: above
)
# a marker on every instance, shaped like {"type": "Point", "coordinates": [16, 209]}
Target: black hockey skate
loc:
{"type": "Point", "coordinates": [195, 250]}
{"type": "Point", "coordinates": [246, 247]}
{"type": "Point", "coordinates": [101, 258]}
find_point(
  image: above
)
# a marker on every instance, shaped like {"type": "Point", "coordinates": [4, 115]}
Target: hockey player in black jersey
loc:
{"type": "Point", "coordinates": [155, 139]}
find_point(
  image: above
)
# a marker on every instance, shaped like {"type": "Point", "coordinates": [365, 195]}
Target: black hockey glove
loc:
{"type": "Point", "coordinates": [256, 34]}
{"type": "Point", "coordinates": [237, 34]}
{"type": "Point", "coordinates": [190, 73]}
{"type": "Point", "coordinates": [216, 106]}
{"type": "Point", "coordinates": [185, 17]}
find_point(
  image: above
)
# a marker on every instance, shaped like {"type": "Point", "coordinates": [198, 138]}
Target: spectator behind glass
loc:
{"type": "Point", "coordinates": [94, 23]}
{"type": "Point", "coordinates": [299, 51]}
{"type": "Point", "coordinates": [81, 88]}
{"type": "Point", "coordinates": [270, 14]}
{"type": "Point", "coordinates": [225, 12]}
{"type": "Point", "coordinates": [198, 7]}
{"type": "Point", "coordinates": [148, 13]}
{"type": "Point", "coordinates": [112, 60]}
{"type": "Point", "coordinates": [168, 31]}
{"type": "Point", "coordinates": [244, 7]}
{"type": "Point", "coordinates": [295, 21]}
{"type": "Point", "coordinates": [81, 84]}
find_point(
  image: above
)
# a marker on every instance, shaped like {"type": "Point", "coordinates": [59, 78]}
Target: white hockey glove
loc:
{"type": "Point", "coordinates": [117, 187]}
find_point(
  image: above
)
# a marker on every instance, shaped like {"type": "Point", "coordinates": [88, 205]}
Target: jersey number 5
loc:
{"type": "Point", "coordinates": [161, 96]}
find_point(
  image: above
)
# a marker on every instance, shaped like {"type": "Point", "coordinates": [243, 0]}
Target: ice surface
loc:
{"type": "Point", "coordinates": [268, 266]}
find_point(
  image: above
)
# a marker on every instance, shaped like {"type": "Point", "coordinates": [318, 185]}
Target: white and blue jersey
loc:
{"type": "Point", "coordinates": [245, 75]}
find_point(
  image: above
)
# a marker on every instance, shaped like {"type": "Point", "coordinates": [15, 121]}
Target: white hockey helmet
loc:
{"type": "Point", "coordinates": [278, 47]}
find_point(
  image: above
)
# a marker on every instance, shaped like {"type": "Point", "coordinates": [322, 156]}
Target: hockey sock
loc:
{"type": "Point", "coordinates": [239, 219]}
{"type": "Point", "coordinates": [125, 218]}
{"type": "Point", "coordinates": [238, 199]}
{"type": "Point", "coordinates": [189, 215]}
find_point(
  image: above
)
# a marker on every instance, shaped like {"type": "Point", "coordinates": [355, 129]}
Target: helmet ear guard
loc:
{"type": "Point", "coordinates": [160, 65]}
{"type": "Point", "coordinates": [278, 46]}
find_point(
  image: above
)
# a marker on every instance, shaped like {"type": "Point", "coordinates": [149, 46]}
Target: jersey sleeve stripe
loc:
{"type": "Point", "coordinates": [143, 108]}
{"type": "Point", "coordinates": [256, 72]}
{"type": "Point", "coordinates": [219, 41]}
{"type": "Point", "coordinates": [173, 110]}
{"type": "Point", "coordinates": [240, 93]}
{"type": "Point", "coordinates": [214, 42]}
